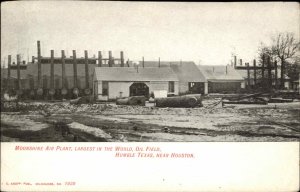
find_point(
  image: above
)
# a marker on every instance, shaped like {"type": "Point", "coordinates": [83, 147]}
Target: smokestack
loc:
{"type": "Point", "coordinates": [8, 72]}
{"type": "Point", "coordinates": [39, 65]}
{"type": "Point", "coordinates": [213, 69]}
{"type": "Point", "coordinates": [159, 62]}
{"type": "Point", "coordinates": [86, 69]}
{"type": "Point", "coordinates": [254, 64]}
{"type": "Point", "coordinates": [18, 72]}
{"type": "Point", "coordinates": [99, 59]}
{"type": "Point", "coordinates": [75, 68]}
{"type": "Point", "coordinates": [63, 66]}
{"type": "Point", "coordinates": [269, 72]}
{"type": "Point", "coordinates": [109, 59]}
{"type": "Point", "coordinates": [234, 61]}
{"type": "Point", "coordinates": [241, 62]}
{"type": "Point", "coordinates": [276, 83]}
{"type": "Point", "coordinates": [122, 59]}
{"type": "Point", "coordinates": [32, 59]}
{"type": "Point", "coordinates": [263, 69]}
{"type": "Point", "coordinates": [226, 70]}
{"type": "Point", "coordinates": [143, 62]}
{"type": "Point", "coordinates": [52, 70]}
{"type": "Point", "coordinates": [248, 74]}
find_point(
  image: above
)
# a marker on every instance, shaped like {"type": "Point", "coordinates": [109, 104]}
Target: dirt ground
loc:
{"type": "Point", "coordinates": [61, 121]}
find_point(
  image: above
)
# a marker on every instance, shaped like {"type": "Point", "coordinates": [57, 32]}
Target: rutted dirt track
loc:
{"type": "Point", "coordinates": [51, 122]}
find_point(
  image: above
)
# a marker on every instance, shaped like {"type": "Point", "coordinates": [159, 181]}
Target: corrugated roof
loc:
{"type": "Point", "coordinates": [132, 74]}
{"type": "Point", "coordinates": [218, 72]}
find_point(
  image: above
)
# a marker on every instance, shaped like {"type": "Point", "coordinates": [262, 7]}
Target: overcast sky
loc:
{"type": "Point", "coordinates": [206, 32]}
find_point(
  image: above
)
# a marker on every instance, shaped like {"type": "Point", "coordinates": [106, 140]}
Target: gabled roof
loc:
{"type": "Point", "coordinates": [134, 74]}
{"type": "Point", "coordinates": [218, 73]}
{"type": "Point", "coordinates": [188, 71]}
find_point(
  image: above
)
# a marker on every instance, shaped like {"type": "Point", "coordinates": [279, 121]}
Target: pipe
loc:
{"type": "Point", "coordinates": [52, 70]}
{"type": "Point", "coordinates": [86, 69]}
{"type": "Point", "coordinates": [263, 69]}
{"type": "Point", "coordinates": [109, 59]}
{"type": "Point", "coordinates": [248, 74]}
{"type": "Point", "coordinates": [276, 77]}
{"type": "Point", "coordinates": [159, 62]}
{"type": "Point", "coordinates": [63, 66]}
{"type": "Point", "coordinates": [18, 72]}
{"type": "Point", "coordinates": [8, 72]}
{"type": "Point", "coordinates": [75, 68]}
{"type": "Point", "coordinates": [234, 61]}
{"type": "Point", "coordinates": [269, 72]}
{"type": "Point", "coordinates": [99, 59]}
{"type": "Point", "coordinates": [254, 64]}
{"type": "Point", "coordinates": [122, 59]}
{"type": "Point", "coordinates": [39, 65]}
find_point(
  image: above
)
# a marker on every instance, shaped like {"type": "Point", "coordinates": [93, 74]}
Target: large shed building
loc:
{"type": "Point", "coordinates": [111, 83]}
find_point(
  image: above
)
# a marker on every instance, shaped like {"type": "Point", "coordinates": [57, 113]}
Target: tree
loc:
{"type": "Point", "coordinates": [285, 48]}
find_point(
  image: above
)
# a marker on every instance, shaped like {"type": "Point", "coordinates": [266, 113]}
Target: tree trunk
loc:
{"type": "Point", "coordinates": [282, 73]}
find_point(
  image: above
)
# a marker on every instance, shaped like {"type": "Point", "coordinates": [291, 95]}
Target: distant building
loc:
{"type": "Point", "coordinates": [222, 79]}
{"type": "Point", "coordinates": [113, 82]}
{"type": "Point", "coordinates": [191, 79]}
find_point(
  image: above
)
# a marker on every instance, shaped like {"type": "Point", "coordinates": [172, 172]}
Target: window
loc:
{"type": "Point", "coordinates": [104, 88]}
{"type": "Point", "coordinates": [171, 87]}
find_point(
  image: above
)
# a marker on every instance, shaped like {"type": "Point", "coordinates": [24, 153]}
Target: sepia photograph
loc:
{"type": "Point", "coordinates": [141, 76]}
{"type": "Point", "coordinates": [181, 73]}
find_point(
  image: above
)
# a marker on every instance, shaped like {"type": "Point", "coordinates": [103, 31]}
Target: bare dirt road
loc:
{"type": "Point", "coordinates": [57, 122]}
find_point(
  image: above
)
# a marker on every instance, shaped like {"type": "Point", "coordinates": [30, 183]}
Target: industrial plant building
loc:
{"type": "Point", "coordinates": [109, 77]}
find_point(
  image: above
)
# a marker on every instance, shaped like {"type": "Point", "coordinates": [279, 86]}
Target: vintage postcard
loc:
{"type": "Point", "coordinates": [150, 96]}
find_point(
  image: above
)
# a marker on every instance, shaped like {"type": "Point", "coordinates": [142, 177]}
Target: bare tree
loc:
{"type": "Point", "coordinates": [284, 46]}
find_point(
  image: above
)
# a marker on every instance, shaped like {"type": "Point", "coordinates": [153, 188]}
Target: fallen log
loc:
{"type": "Point", "coordinates": [182, 101]}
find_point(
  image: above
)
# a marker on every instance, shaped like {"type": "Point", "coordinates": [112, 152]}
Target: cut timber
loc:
{"type": "Point", "coordinates": [176, 102]}
{"type": "Point", "coordinates": [134, 100]}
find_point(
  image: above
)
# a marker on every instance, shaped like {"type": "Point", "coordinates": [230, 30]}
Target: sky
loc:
{"type": "Point", "coordinates": [206, 33]}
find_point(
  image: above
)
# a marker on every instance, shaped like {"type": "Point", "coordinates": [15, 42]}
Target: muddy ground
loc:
{"type": "Point", "coordinates": [61, 121]}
